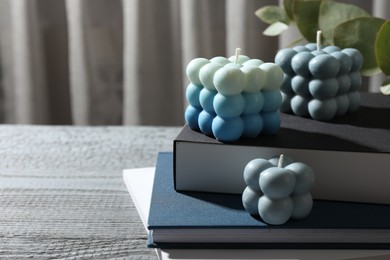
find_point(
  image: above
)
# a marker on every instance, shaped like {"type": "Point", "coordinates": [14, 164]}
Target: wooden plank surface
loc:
{"type": "Point", "coordinates": [62, 194]}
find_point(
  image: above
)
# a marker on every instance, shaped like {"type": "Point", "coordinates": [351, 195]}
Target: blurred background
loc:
{"type": "Point", "coordinates": [122, 62]}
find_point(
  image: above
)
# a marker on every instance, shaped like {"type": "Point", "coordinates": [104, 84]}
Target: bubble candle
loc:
{"type": "Point", "coordinates": [233, 98]}
{"type": "Point", "coordinates": [320, 83]}
{"type": "Point", "coordinates": [278, 189]}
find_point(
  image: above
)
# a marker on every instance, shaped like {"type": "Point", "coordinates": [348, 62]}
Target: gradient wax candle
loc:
{"type": "Point", "coordinates": [231, 98]}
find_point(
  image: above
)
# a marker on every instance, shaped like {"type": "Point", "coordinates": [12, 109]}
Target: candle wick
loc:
{"type": "Point", "coordinates": [238, 50]}
{"type": "Point", "coordinates": [319, 40]}
{"type": "Point", "coordinates": [280, 163]}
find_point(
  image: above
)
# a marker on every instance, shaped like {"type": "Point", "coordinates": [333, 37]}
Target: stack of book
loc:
{"type": "Point", "coordinates": [203, 222]}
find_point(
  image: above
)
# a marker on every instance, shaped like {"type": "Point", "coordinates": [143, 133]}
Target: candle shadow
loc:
{"type": "Point", "coordinates": [302, 133]}
{"type": "Point", "coordinates": [374, 112]}
{"type": "Point", "coordinates": [231, 201]}
{"type": "Point", "coordinates": [365, 116]}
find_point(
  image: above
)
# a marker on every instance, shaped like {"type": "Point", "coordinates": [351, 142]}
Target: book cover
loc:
{"type": "Point", "coordinates": [212, 220]}
{"type": "Point", "coordinates": [139, 183]}
{"type": "Point", "coordinates": [349, 154]}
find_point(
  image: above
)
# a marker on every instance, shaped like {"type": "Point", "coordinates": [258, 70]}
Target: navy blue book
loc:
{"type": "Point", "coordinates": [212, 220]}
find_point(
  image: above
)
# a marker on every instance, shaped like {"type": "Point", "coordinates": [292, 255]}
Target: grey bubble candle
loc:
{"type": "Point", "coordinates": [320, 83]}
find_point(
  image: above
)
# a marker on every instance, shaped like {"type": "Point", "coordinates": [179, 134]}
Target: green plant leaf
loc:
{"type": "Point", "coordinates": [333, 13]}
{"type": "Point", "coordinates": [382, 45]}
{"type": "Point", "coordinates": [275, 29]}
{"type": "Point", "coordinates": [306, 17]}
{"type": "Point", "coordinates": [385, 88]}
{"type": "Point", "coordinates": [360, 33]}
{"type": "Point", "coordinates": [271, 14]}
{"type": "Point", "coordinates": [287, 4]}
{"type": "Point", "coordinates": [295, 42]}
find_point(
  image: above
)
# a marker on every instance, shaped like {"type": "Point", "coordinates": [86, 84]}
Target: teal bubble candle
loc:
{"type": "Point", "coordinates": [233, 98]}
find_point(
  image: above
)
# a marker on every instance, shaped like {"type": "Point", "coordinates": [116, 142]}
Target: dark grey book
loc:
{"type": "Point", "coordinates": [350, 154]}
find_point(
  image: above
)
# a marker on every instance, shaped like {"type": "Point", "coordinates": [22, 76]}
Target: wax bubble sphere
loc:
{"type": "Point", "coordinates": [278, 189]}
{"type": "Point", "coordinates": [233, 98]}
{"type": "Point", "coordinates": [320, 83]}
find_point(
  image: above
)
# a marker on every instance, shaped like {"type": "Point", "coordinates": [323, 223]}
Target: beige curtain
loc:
{"type": "Point", "coordinates": [99, 62]}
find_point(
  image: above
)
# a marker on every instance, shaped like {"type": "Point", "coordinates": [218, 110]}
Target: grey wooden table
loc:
{"type": "Point", "coordinates": [62, 194]}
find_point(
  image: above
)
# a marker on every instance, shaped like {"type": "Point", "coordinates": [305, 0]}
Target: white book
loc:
{"type": "Point", "coordinates": [139, 183]}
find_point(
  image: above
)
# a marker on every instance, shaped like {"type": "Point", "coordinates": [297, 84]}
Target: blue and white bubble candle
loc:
{"type": "Point", "coordinates": [231, 98]}
{"type": "Point", "coordinates": [320, 83]}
